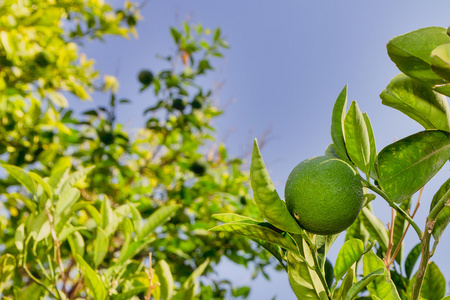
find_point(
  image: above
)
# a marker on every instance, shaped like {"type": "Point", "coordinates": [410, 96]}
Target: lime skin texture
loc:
{"type": "Point", "coordinates": [324, 195]}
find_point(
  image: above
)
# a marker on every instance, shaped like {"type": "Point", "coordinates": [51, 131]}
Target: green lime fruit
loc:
{"type": "Point", "coordinates": [324, 195]}
{"type": "Point", "coordinates": [145, 77]}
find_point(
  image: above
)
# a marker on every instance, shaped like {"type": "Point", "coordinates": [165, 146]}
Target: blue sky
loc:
{"type": "Point", "coordinates": [287, 63]}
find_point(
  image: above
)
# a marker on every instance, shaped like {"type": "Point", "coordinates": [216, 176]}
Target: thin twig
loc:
{"type": "Point", "coordinates": [150, 273]}
{"type": "Point", "coordinates": [397, 249]}
{"type": "Point", "coordinates": [387, 259]}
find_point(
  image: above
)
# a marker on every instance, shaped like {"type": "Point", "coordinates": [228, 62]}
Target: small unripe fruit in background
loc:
{"type": "Point", "coordinates": [145, 77]}
{"type": "Point", "coordinates": [179, 104]}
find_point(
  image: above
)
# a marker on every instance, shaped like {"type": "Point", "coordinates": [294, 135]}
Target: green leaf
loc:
{"type": "Point", "coordinates": [350, 252]}
{"type": "Point", "coordinates": [21, 176]}
{"type": "Point", "coordinates": [19, 237]}
{"type": "Point", "coordinates": [190, 281]}
{"type": "Point", "coordinates": [346, 284]}
{"type": "Point", "coordinates": [128, 294]}
{"type": "Point", "coordinates": [76, 243]}
{"type": "Point", "coordinates": [101, 245]}
{"type": "Point", "coordinates": [418, 101]}
{"type": "Point", "coordinates": [132, 250]}
{"type": "Point", "coordinates": [381, 286]}
{"type": "Point", "coordinates": [412, 258]}
{"type": "Point", "coordinates": [109, 220]}
{"type": "Point", "coordinates": [300, 278]}
{"type": "Point", "coordinates": [36, 178]}
{"type": "Point", "coordinates": [258, 232]}
{"type": "Point", "coordinates": [92, 279]}
{"type": "Point", "coordinates": [38, 226]}
{"type": "Point", "coordinates": [165, 277]}
{"type": "Point", "coordinates": [7, 267]}
{"type": "Point", "coordinates": [413, 56]}
{"type": "Point", "coordinates": [360, 285]}
{"type": "Point", "coordinates": [357, 138]}
{"type": "Point", "coordinates": [408, 164]}
{"type": "Point", "coordinates": [59, 171]}
{"type": "Point", "coordinates": [443, 218]}
{"type": "Point", "coordinates": [228, 217]}
{"type": "Point", "coordinates": [440, 61]}
{"type": "Point", "coordinates": [159, 217]}
{"type": "Point", "coordinates": [272, 208]}
{"type": "Point", "coordinates": [373, 147]}
{"type": "Point", "coordinates": [33, 291]}
{"type": "Point", "coordinates": [375, 227]}
{"type": "Point", "coordinates": [433, 286]}
{"type": "Point", "coordinates": [273, 249]}
{"type": "Point", "coordinates": [337, 125]}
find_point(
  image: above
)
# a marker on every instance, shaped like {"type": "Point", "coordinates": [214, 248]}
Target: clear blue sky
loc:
{"type": "Point", "coordinates": [287, 63]}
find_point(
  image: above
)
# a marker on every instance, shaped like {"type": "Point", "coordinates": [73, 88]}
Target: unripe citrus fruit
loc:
{"type": "Point", "coordinates": [324, 195]}
{"type": "Point", "coordinates": [145, 77]}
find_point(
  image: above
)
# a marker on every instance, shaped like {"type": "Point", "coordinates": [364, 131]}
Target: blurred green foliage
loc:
{"type": "Point", "coordinates": [83, 200]}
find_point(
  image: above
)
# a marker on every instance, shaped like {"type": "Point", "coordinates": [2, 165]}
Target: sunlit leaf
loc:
{"type": "Point", "coordinates": [361, 284]}
{"type": "Point", "coordinates": [357, 138]}
{"type": "Point", "coordinates": [418, 101]}
{"type": "Point", "coordinates": [381, 286]}
{"type": "Point", "coordinates": [159, 217]}
{"type": "Point", "coordinates": [92, 279]}
{"type": "Point", "coordinates": [21, 176]}
{"type": "Point", "coordinates": [412, 55]}
{"type": "Point", "coordinates": [408, 164]}
{"type": "Point", "coordinates": [270, 205]}
{"type": "Point", "coordinates": [162, 269]}
{"type": "Point", "coordinates": [337, 125]}
{"type": "Point", "coordinates": [258, 232]}
{"type": "Point", "coordinates": [350, 252]}
{"type": "Point", "coordinates": [440, 61]}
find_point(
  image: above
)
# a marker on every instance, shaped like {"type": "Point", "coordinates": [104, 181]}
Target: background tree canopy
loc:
{"type": "Point", "coordinates": [83, 200]}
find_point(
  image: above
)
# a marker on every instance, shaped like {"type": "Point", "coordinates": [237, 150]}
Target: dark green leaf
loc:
{"type": "Point", "coordinates": [258, 232]}
{"type": "Point", "coordinates": [375, 227]}
{"type": "Point", "coordinates": [337, 125]}
{"type": "Point", "coordinates": [433, 286]}
{"type": "Point", "coordinates": [411, 259]}
{"type": "Point", "coordinates": [412, 55]}
{"type": "Point", "coordinates": [350, 252]}
{"type": "Point", "coordinates": [266, 197]}
{"type": "Point", "coordinates": [400, 224]}
{"type": "Point", "coordinates": [408, 164]}
{"type": "Point", "coordinates": [418, 101]}
{"type": "Point", "coordinates": [357, 138]}
{"type": "Point", "coordinates": [443, 217]}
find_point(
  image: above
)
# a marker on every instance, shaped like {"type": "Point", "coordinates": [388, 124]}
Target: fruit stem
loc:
{"type": "Point", "coordinates": [395, 206]}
